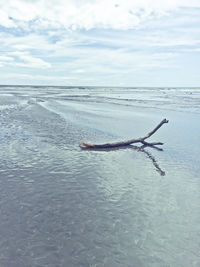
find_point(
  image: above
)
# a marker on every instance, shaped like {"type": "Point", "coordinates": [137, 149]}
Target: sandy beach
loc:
{"type": "Point", "coordinates": [63, 206]}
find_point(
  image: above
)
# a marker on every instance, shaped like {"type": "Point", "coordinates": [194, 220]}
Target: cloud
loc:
{"type": "Point", "coordinates": [23, 59]}
{"type": "Point", "coordinates": [5, 21]}
{"type": "Point", "coordinates": [87, 14]}
{"type": "Point", "coordinates": [96, 41]}
{"type": "Point", "coordinates": [4, 60]}
{"type": "Point", "coordinates": [30, 61]}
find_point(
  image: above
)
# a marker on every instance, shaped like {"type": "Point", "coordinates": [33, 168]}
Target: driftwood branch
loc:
{"type": "Point", "coordinates": [139, 149]}
{"type": "Point", "coordinates": [126, 143]}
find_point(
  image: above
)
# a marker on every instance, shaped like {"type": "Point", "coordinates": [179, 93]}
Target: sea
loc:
{"type": "Point", "coordinates": [64, 206]}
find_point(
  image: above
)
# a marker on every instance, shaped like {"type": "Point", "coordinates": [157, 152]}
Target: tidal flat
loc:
{"type": "Point", "coordinates": [63, 206]}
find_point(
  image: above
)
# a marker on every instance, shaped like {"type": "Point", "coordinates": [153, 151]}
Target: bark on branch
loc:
{"type": "Point", "coordinates": [126, 143]}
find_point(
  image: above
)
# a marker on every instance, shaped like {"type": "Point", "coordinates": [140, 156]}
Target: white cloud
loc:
{"type": "Point", "coordinates": [4, 60]}
{"type": "Point", "coordinates": [4, 20]}
{"type": "Point", "coordinates": [79, 71]}
{"type": "Point", "coordinates": [87, 14]}
{"type": "Point", "coordinates": [26, 60]}
{"type": "Point", "coordinates": [96, 41]}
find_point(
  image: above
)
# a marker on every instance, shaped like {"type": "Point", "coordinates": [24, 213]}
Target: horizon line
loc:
{"type": "Point", "coordinates": [99, 86]}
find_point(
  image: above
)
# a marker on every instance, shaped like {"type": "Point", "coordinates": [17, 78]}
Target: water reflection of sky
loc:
{"type": "Point", "coordinates": [61, 205]}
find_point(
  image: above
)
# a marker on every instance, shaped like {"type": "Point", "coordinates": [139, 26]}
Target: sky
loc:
{"type": "Point", "coordinates": [100, 42]}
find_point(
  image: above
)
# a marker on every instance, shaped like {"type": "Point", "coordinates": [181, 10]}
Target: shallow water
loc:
{"type": "Point", "coordinates": [63, 206]}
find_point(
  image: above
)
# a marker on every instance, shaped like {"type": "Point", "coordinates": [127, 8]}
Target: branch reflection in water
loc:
{"type": "Point", "coordinates": [139, 149]}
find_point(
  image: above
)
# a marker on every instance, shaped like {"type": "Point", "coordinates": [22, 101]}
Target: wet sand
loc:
{"type": "Point", "coordinates": [62, 206]}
